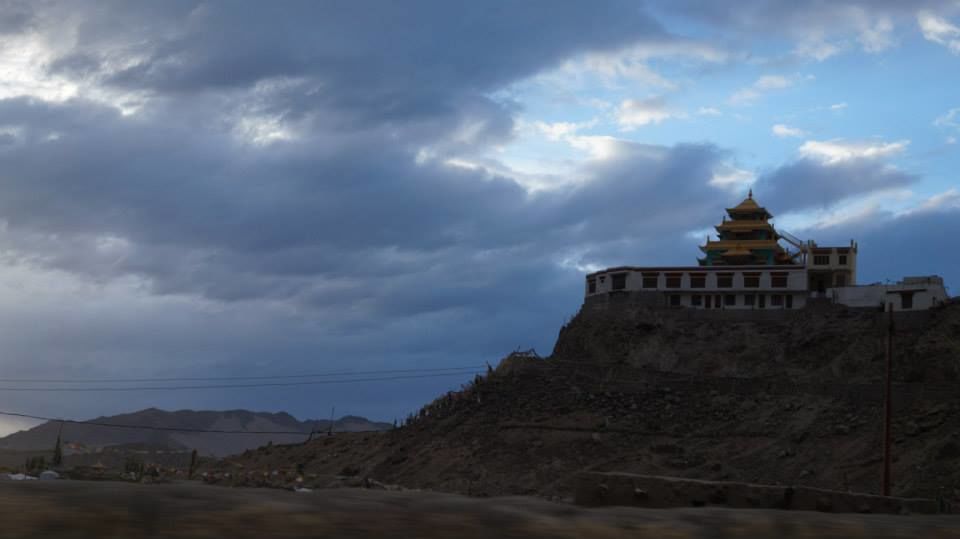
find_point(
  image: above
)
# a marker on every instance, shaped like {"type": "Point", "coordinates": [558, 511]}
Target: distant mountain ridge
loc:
{"type": "Point", "coordinates": [44, 436]}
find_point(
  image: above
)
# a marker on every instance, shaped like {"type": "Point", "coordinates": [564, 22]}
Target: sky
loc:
{"type": "Point", "coordinates": [214, 189]}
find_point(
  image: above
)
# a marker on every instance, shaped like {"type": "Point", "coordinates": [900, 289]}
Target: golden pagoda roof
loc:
{"type": "Point", "coordinates": [749, 205]}
{"type": "Point", "coordinates": [738, 251]}
{"type": "Point", "coordinates": [744, 225]}
{"type": "Point", "coordinates": [749, 244]}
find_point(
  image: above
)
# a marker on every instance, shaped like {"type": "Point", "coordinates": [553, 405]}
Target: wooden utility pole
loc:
{"type": "Point", "coordinates": [887, 434]}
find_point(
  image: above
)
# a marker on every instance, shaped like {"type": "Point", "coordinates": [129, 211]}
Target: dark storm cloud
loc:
{"type": "Point", "coordinates": [202, 216]}
{"type": "Point", "coordinates": [378, 59]}
{"type": "Point", "coordinates": [810, 183]}
{"type": "Point", "coordinates": [15, 17]}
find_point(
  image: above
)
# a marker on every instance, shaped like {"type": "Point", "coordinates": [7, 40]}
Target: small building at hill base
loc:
{"type": "Point", "coordinates": [748, 268]}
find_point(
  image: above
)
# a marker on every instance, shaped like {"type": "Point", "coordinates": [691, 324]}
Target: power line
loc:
{"type": "Point", "coordinates": [227, 378]}
{"type": "Point", "coordinates": [169, 429]}
{"type": "Point", "coordinates": [227, 386]}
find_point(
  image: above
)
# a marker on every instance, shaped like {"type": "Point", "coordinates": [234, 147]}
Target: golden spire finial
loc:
{"type": "Point", "coordinates": [750, 193]}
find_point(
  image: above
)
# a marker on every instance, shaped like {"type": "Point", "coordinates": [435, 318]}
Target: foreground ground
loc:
{"type": "Point", "coordinates": [105, 510]}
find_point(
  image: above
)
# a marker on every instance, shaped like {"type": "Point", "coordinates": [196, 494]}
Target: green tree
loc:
{"type": "Point", "coordinates": [57, 454]}
{"type": "Point", "coordinates": [193, 464]}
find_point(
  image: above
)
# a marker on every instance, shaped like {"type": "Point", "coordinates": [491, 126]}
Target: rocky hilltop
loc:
{"type": "Point", "coordinates": [792, 399]}
{"type": "Point", "coordinates": [823, 343]}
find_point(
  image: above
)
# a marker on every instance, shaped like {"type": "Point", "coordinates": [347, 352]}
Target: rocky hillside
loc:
{"type": "Point", "coordinates": [792, 401]}
{"type": "Point", "coordinates": [820, 344]}
{"type": "Point", "coordinates": [91, 437]}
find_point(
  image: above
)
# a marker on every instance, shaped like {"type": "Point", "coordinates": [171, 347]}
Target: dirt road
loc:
{"type": "Point", "coordinates": [106, 510]}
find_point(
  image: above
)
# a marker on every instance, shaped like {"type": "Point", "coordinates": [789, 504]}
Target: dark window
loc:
{"type": "Point", "coordinates": [675, 300]}
{"type": "Point", "coordinates": [821, 260]}
{"type": "Point", "coordinates": [673, 280]}
{"type": "Point", "coordinates": [592, 286]}
{"type": "Point", "coordinates": [724, 280]}
{"type": "Point", "coordinates": [789, 301]}
{"type": "Point", "coordinates": [843, 260]}
{"type": "Point", "coordinates": [749, 299]}
{"type": "Point", "coordinates": [761, 301]}
{"type": "Point", "coordinates": [650, 280]}
{"type": "Point", "coordinates": [618, 281]}
{"type": "Point", "coordinates": [778, 280]}
{"type": "Point", "coordinates": [698, 280]}
{"type": "Point", "coordinates": [841, 280]}
{"type": "Point", "coordinates": [906, 300]}
{"type": "Point", "coordinates": [708, 300]}
{"type": "Point", "coordinates": [751, 280]}
{"type": "Point", "coordinates": [730, 300]}
{"type": "Point", "coordinates": [776, 300]}
{"type": "Point", "coordinates": [696, 300]}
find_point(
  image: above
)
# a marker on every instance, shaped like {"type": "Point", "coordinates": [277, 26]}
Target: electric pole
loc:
{"type": "Point", "coordinates": [887, 402]}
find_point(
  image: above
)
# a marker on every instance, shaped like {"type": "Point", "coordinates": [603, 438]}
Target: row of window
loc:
{"type": "Point", "coordinates": [697, 280]}
{"type": "Point", "coordinates": [824, 260]}
{"type": "Point", "coordinates": [717, 301]}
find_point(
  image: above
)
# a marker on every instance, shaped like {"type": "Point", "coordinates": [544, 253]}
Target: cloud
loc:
{"type": "Point", "coordinates": [939, 30]}
{"type": "Point", "coordinates": [838, 151]}
{"type": "Point", "coordinates": [784, 131]}
{"type": "Point", "coordinates": [826, 173]}
{"type": "Point", "coordinates": [614, 67]}
{"type": "Point", "coordinates": [634, 113]}
{"type": "Point", "coordinates": [772, 82]}
{"type": "Point", "coordinates": [947, 200]}
{"type": "Point", "coordinates": [838, 106]}
{"type": "Point", "coordinates": [562, 130]}
{"type": "Point", "coordinates": [817, 48]}
{"type": "Point", "coordinates": [379, 66]}
{"type": "Point", "coordinates": [631, 64]}
{"type": "Point", "coordinates": [820, 30]}
{"type": "Point", "coordinates": [709, 111]}
{"type": "Point", "coordinates": [761, 86]}
{"type": "Point", "coordinates": [599, 147]}
{"type": "Point", "coordinates": [950, 119]}
{"type": "Point", "coordinates": [732, 178]}
{"type": "Point", "coordinates": [878, 36]}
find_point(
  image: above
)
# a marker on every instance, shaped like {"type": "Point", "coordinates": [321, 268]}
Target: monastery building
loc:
{"type": "Point", "coordinates": [747, 267]}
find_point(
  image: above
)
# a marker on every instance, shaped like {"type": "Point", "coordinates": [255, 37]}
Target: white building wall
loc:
{"type": "Point", "coordinates": [926, 292]}
{"type": "Point", "coordinates": [796, 286]}
{"type": "Point", "coordinates": [858, 296]}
